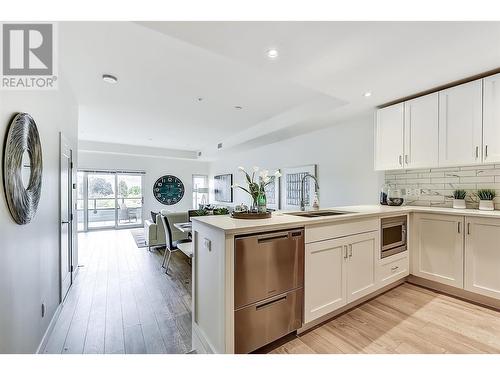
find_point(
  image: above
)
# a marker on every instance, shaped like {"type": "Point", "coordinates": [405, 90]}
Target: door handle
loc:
{"type": "Point", "coordinates": [350, 250]}
{"type": "Point", "coordinates": [485, 151]}
{"type": "Point", "coordinates": [64, 222]}
{"type": "Point", "coordinates": [270, 303]}
{"type": "Point", "coordinates": [345, 251]}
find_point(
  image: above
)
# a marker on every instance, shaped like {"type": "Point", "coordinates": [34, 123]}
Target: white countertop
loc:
{"type": "Point", "coordinates": [281, 220]}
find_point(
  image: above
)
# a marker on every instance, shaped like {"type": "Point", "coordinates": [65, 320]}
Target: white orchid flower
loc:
{"type": "Point", "coordinates": [255, 169]}
{"type": "Point", "coordinates": [241, 169]}
{"type": "Point", "coordinates": [277, 174]}
{"type": "Point", "coordinates": [264, 173]}
{"type": "Point", "coordinates": [266, 179]}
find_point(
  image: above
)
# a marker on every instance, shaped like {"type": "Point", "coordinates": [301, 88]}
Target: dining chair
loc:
{"type": "Point", "coordinates": [185, 245]}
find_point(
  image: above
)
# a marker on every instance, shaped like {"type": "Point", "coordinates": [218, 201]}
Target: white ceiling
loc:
{"type": "Point", "coordinates": [318, 79]}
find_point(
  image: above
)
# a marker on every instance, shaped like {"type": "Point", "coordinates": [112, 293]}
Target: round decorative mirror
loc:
{"type": "Point", "coordinates": [22, 176]}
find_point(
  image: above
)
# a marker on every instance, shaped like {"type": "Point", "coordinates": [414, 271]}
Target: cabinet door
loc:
{"type": "Point", "coordinates": [438, 248]}
{"type": "Point", "coordinates": [324, 278]}
{"type": "Point", "coordinates": [460, 124]}
{"type": "Point", "coordinates": [421, 132]}
{"type": "Point", "coordinates": [363, 250]}
{"type": "Point", "coordinates": [482, 257]}
{"type": "Point", "coordinates": [389, 137]}
{"type": "Point", "coordinates": [491, 119]}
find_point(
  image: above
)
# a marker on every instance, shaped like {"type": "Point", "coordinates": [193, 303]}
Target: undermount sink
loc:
{"type": "Point", "coordinates": [318, 213]}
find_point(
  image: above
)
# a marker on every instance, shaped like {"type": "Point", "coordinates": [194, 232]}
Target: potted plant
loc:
{"type": "Point", "coordinates": [459, 198]}
{"type": "Point", "coordinates": [221, 211]}
{"type": "Point", "coordinates": [486, 197]}
{"type": "Point", "coordinates": [256, 189]}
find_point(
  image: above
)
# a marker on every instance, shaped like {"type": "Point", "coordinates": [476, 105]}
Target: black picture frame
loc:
{"type": "Point", "coordinates": [223, 188]}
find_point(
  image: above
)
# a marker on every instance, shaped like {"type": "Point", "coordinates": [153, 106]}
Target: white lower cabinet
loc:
{"type": "Point", "coordinates": [392, 268]}
{"type": "Point", "coordinates": [437, 252]}
{"type": "Point", "coordinates": [324, 278]}
{"type": "Point", "coordinates": [482, 256]}
{"type": "Point", "coordinates": [361, 261]}
{"type": "Point", "coordinates": [339, 271]}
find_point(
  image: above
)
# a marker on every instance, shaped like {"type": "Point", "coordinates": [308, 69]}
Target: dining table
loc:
{"type": "Point", "coordinates": [184, 227]}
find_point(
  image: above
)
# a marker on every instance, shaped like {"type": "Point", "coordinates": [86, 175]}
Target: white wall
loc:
{"type": "Point", "coordinates": [29, 254]}
{"type": "Point", "coordinates": [343, 153]}
{"type": "Point", "coordinates": [155, 168]}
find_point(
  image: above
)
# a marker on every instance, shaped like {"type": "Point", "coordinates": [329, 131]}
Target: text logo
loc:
{"type": "Point", "coordinates": [28, 56]}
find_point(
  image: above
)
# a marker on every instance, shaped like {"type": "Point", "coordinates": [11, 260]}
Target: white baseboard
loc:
{"type": "Point", "coordinates": [49, 330]}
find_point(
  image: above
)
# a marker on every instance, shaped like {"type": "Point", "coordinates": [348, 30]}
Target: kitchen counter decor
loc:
{"type": "Point", "coordinates": [486, 197]}
{"type": "Point", "coordinates": [257, 190]}
{"type": "Point", "coordinates": [459, 199]}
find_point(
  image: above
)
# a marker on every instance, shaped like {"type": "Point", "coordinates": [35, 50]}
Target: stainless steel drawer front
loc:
{"type": "Point", "coordinates": [264, 322]}
{"type": "Point", "coordinates": [267, 265]}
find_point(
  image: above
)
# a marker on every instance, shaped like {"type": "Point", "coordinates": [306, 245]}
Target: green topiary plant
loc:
{"type": "Point", "coordinates": [201, 212]}
{"type": "Point", "coordinates": [459, 194]}
{"type": "Point", "coordinates": [486, 194]}
{"type": "Point", "coordinates": [221, 211]}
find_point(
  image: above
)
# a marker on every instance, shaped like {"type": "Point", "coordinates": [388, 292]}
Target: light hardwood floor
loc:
{"type": "Point", "coordinates": [122, 301]}
{"type": "Point", "coordinates": [407, 319]}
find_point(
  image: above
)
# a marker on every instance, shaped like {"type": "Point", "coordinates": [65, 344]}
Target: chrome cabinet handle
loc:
{"type": "Point", "coordinates": [485, 151]}
{"type": "Point", "coordinates": [459, 226]}
{"type": "Point", "coordinates": [350, 250]}
{"type": "Point", "coordinates": [406, 159]}
{"type": "Point", "coordinates": [468, 228]}
{"type": "Point", "coordinates": [401, 160]}
{"type": "Point", "coordinates": [477, 152]}
{"type": "Point", "coordinates": [394, 268]}
{"type": "Point", "coordinates": [345, 251]}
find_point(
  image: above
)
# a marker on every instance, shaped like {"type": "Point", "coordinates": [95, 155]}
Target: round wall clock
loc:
{"type": "Point", "coordinates": [168, 190]}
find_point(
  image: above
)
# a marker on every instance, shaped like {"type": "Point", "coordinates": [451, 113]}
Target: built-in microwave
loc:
{"type": "Point", "coordinates": [393, 235]}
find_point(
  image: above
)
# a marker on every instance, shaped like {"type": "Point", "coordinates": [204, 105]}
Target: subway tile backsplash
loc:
{"type": "Point", "coordinates": [434, 186]}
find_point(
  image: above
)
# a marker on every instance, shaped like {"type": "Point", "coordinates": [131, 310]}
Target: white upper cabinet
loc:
{"type": "Point", "coordinates": [421, 132]}
{"type": "Point", "coordinates": [389, 137]}
{"type": "Point", "coordinates": [460, 124]}
{"type": "Point", "coordinates": [491, 119]}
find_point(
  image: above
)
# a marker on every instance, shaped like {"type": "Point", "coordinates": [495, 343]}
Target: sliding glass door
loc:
{"type": "Point", "coordinates": [109, 199]}
{"type": "Point", "coordinates": [129, 199]}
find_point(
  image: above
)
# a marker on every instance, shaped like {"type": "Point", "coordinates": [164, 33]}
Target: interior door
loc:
{"type": "Point", "coordinates": [491, 119]}
{"type": "Point", "coordinates": [460, 124]}
{"type": "Point", "coordinates": [362, 255]}
{"type": "Point", "coordinates": [66, 217]}
{"type": "Point", "coordinates": [439, 247]}
{"type": "Point", "coordinates": [389, 137]}
{"type": "Point", "coordinates": [422, 132]}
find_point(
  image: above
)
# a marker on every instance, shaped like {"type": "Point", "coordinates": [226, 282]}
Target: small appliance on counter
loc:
{"type": "Point", "coordinates": [394, 197]}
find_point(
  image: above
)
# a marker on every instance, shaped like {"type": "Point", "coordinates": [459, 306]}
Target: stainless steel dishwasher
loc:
{"type": "Point", "coordinates": [268, 287]}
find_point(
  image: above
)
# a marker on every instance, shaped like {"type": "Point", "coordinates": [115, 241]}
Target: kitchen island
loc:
{"type": "Point", "coordinates": [343, 266]}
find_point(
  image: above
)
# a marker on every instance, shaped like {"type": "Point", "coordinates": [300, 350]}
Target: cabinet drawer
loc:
{"type": "Point", "coordinates": [266, 321]}
{"type": "Point", "coordinates": [393, 270]}
{"type": "Point", "coordinates": [329, 231]}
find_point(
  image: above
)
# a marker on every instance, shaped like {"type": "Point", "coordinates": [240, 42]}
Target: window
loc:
{"type": "Point", "coordinates": [200, 190]}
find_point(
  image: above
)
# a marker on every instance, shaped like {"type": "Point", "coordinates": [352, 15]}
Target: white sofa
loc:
{"type": "Point", "coordinates": [155, 233]}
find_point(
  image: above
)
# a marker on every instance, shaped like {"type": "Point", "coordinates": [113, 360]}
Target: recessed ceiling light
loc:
{"type": "Point", "coordinates": [200, 99]}
{"type": "Point", "coordinates": [272, 53]}
{"type": "Point", "coordinates": [367, 94]}
{"type": "Point", "coordinates": [238, 107]}
{"type": "Point", "coordinates": [109, 78]}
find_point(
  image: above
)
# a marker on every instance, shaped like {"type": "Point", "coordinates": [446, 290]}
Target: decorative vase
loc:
{"type": "Point", "coordinates": [262, 203]}
{"type": "Point", "coordinates": [485, 205]}
{"type": "Point", "coordinates": [459, 203]}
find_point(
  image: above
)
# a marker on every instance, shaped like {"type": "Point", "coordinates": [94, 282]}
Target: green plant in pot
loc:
{"type": "Point", "coordinates": [257, 187]}
{"type": "Point", "coordinates": [486, 197]}
{"type": "Point", "coordinates": [221, 211]}
{"type": "Point", "coordinates": [459, 198]}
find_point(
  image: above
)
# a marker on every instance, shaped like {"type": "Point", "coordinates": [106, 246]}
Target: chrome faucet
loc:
{"type": "Point", "coordinates": [302, 188]}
